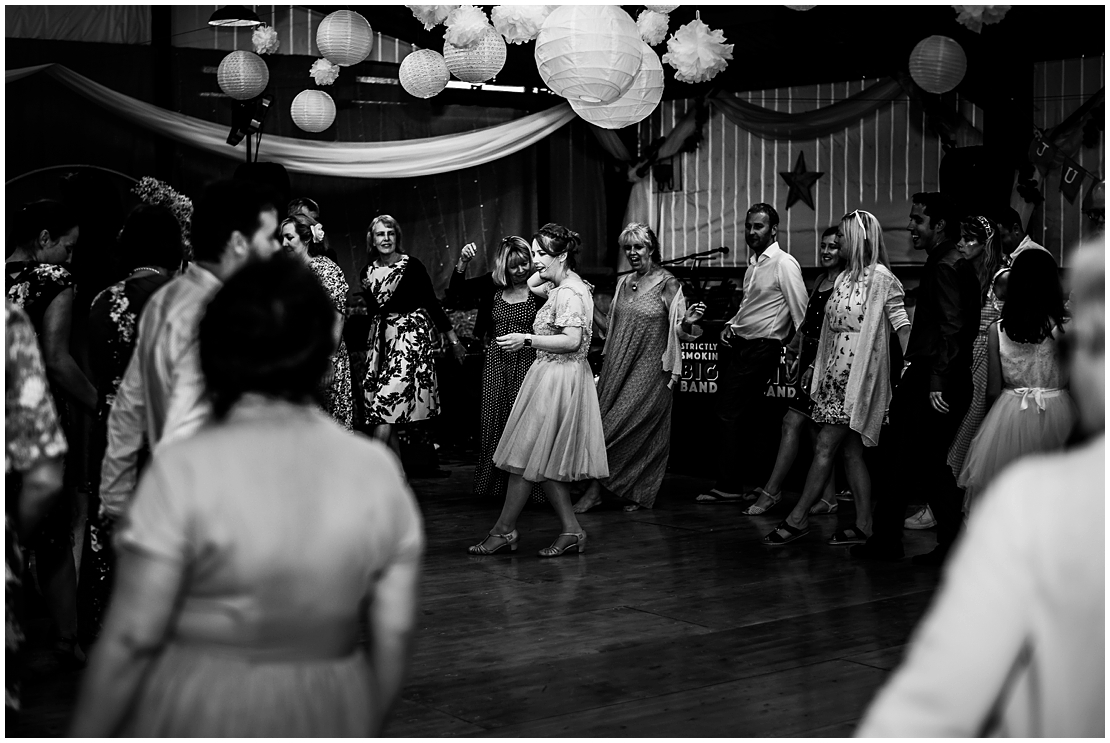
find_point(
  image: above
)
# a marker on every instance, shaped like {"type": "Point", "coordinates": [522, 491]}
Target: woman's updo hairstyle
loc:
{"type": "Point", "coordinates": [302, 225]}
{"type": "Point", "coordinates": [556, 240]}
{"type": "Point", "coordinates": [269, 329]}
{"type": "Point", "coordinates": [47, 214]}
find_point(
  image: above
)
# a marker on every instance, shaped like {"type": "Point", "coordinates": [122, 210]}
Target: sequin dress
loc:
{"type": "Point", "coordinates": [554, 430]}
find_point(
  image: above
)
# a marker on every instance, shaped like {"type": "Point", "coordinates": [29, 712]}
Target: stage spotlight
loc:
{"type": "Point", "coordinates": [234, 15]}
{"type": "Point", "coordinates": [247, 117]}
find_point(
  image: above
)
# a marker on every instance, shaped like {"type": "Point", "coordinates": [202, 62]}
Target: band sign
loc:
{"type": "Point", "coordinates": [701, 372]}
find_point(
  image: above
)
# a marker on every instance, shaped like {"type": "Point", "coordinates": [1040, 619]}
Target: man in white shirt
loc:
{"type": "Point", "coordinates": [161, 397]}
{"type": "Point", "coordinates": [774, 302]}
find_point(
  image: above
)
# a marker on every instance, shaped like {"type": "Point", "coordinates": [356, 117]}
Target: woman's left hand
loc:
{"type": "Point", "coordinates": [511, 341]}
{"type": "Point", "coordinates": [694, 313]}
{"type": "Point", "coordinates": [459, 350]}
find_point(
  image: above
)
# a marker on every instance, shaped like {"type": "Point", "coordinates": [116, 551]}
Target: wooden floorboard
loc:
{"type": "Point", "coordinates": [675, 622]}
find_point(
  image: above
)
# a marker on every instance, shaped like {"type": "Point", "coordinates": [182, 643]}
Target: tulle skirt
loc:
{"type": "Point", "coordinates": [1009, 432]}
{"type": "Point", "coordinates": [554, 430]}
{"type": "Point", "coordinates": [193, 692]}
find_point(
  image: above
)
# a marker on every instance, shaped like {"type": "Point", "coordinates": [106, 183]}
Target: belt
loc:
{"type": "Point", "coordinates": [1037, 393]}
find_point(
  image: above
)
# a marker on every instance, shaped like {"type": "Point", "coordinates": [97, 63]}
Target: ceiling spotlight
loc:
{"type": "Point", "coordinates": [234, 15]}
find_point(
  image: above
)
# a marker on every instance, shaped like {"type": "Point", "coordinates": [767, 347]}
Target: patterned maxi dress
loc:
{"type": "Point", "coordinates": [113, 327]}
{"type": "Point", "coordinates": [401, 383]}
{"type": "Point", "coordinates": [338, 392]}
{"type": "Point", "coordinates": [31, 434]}
{"type": "Point", "coordinates": [633, 395]}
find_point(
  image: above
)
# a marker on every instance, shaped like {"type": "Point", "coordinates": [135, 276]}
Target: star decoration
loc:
{"type": "Point", "coordinates": [800, 183]}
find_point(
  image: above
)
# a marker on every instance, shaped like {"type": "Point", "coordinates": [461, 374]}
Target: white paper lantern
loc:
{"type": "Point", "coordinates": [424, 73]}
{"type": "Point", "coordinates": [801, 7]}
{"type": "Point", "coordinates": [243, 75]}
{"type": "Point", "coordinates": [937, 64]}
{"type": "Point", "coordinates": [635, 105]}
{"type": "Point", "coordinates": [589, 53]}
{"type": "Point", "coordinates": [345, 38]}
{"type": "Point", "coordinates": [313, 110]}
{"type": "Point", "coordinates": [478, 63]}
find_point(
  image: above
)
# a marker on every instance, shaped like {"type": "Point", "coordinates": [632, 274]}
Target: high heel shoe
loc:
{"type": "Point", "coordinates": [553, 551]}
{"type": "Point", "coordinates": [512, 540]}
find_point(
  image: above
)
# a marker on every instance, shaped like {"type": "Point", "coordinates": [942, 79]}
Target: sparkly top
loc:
{"type": "Point", "coordinates": [568, 306]}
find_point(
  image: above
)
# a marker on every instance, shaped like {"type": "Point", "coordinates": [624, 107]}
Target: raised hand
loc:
{"type": "Point", "coordinates": [466, 256]}
{"type": "Point", "coordinates": [694, 313]}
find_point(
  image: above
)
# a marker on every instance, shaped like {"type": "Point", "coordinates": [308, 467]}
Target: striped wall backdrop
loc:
{"type": "Point", "coordinates": [1059, 88]}
{"type": "Point", "coordinates": [296, 27]}
{"type": "Point", "coordinates": [876, 165]}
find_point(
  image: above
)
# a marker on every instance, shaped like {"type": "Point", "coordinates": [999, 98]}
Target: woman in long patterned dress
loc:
{"type": "Point", "coordinates": [554, 434]}
{"type": "Point", "coordinates": [38, 282]}
{"type": "Point", "coordinates": [850, 384]}
{"type": "Point", "coordinates": [150, 247]}
{"type": "Point", "coordinates": [643, 359]}
{"type": "Point", "coordinates": [33, 451]}
{"type": "Point", "coordinates": [304, 237]}
{"type": "Point", "coordinates": [400, 385]}
{"type": "Point", "coordinates": [506, 305]}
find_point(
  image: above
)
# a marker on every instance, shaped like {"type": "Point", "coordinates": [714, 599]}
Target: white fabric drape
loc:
{"type": "Point", "coordinates": [403, 159]}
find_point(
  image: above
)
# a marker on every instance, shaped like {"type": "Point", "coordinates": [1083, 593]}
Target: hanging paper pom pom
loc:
{"type": "Point", "coordinates": [696, 53]}
{"type": "Point", "coordinates": [975, 17]}
{"type": "Point", "coordinates": [431, 15]}
{"type": "Point", "coordinates": [801, 7]}
{"type": "Point", "coordinates": [662, 8]}
{"type": "Point", "coordinates": [466, 24]}
{"type": "Point", "coordinates": [653, 26]}
{"type": "Point", "coordinates": [265, 40]}
{"type": "Point", "coordinates": [324, 72]}
{"type": "Point", "coordinates": [519, 23]}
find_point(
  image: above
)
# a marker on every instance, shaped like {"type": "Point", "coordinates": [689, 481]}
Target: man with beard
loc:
{"type": "Point", "coordinates": [774, 298]}
{"type": "Point", "coordinates": [161, 397]}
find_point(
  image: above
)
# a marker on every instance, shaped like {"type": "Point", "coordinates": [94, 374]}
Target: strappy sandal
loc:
{"type": "Point", "coordinates": [775, 538]}
{"type": "Point", "coordinates": [512, 541]}
{"type": "Point", "coordinates": [754, 510]}
{"type": "Point", "coordinates": [817, 510]}
{"type": "Point", "coordinates": [553, 551]}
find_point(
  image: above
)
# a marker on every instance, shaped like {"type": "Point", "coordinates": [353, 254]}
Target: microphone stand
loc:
{"type": "Point", "coordinates": [698, 259]}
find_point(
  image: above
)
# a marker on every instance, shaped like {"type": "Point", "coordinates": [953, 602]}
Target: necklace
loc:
{"type": "Point", "coordinates": [636, 282]}
{"type": "Point", "coordinates": [155, 269]}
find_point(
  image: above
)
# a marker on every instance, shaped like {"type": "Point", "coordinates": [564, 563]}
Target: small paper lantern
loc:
{"type": "Point", "coordinates": [937, 64]}
{"type": "Point", "coordinates": [313, 110]}
{"type": "Point", "coordinates": [589, 53]}
{"type": "Point", "coordinates": [635, 105]}
{"type": "Point", "coordinates": [661, 8]}
{"type": "Point", "coordinates": [243, 75]}
{"type": "Point", "coordinates": [477, 63]}
{"type": "Point", "coordinates": [801, 7]}
{"type": "Point", "coordinates": [345, 38]}
{"type": "Point", "coordinates": [424, 73]}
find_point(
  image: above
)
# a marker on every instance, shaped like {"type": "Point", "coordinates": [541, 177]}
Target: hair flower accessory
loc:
{"type": "Point", "coordinates": [317, 233]}
{"type": "Point", "coordinates": [153, 191]}
{"type": "Point", "coordinates": [323, 71]}
{"type": "Point", "coordinates": [265, 40]}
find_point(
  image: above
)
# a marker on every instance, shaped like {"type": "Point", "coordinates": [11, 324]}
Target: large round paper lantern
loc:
{"type": "Point", "coordinates": [636, 104]}
{"type": "Point", "coordinates": [243, 75]}
{"type": "Point", "coordinates": [589, 53]}
{"type": "Point", "coordinates": [477, 63]}
{"type": "Point", "coordinates": [424, 73]}
{"type": "Point", "coordinates": [345, 38]}
{"type": "Point", "coordinates": [313, 110]}
{"type": "Point", "coordinates": [937, 64]}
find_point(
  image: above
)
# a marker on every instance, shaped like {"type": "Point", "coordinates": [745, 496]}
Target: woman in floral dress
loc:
{"type": "Point", "coordinates": [850, 384]}
{"type": "Point", "coordinates": [505, 304]}
{"type": "Point", "coordinates": [38, 282]}
{"type": "Point", "coordinates": [304, 237]}
{"type": "Point", "coordinates": [400, 384]}
{"type": "Point", "coordinates": [151, 248]}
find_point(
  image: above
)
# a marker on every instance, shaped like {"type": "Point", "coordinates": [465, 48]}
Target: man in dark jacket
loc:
{"type": "Point", "coordinates": [934, 392]}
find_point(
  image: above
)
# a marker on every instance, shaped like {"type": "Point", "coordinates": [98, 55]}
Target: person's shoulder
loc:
{"type": "Point", "coordinates": [53, 273]}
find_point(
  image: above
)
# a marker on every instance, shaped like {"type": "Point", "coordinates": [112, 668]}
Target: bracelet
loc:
{"type": "Point", "coordinates": [456, 343]}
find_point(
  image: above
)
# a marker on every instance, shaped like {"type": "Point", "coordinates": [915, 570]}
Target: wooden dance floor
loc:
{"type": "Point", "coordinates": [675, 622]}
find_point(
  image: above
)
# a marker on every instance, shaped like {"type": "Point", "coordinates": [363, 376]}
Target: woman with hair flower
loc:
{"type": "Point", "coordinates": [304, 237]}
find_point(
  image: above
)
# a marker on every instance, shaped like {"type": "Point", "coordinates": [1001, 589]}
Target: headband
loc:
{"type": "Point", "coordinates": [986, 225]}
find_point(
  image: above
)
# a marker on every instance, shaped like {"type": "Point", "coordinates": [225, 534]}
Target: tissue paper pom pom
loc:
{"type": "Point", "coordinates": [696, 53]}
{"type": "Point", "coordinates": [653, 26]}
{"type": "Point", "coordinates": [519, 23]}
{"type": "Point", "coordinates": [466, 24]}
{"type": "Point", "coordinates": [662, 8]}
{"type": "Point", "coordinates": [323, 72]}
{"type": "Point", "coordinates": [265, 40]}
{"type": "Point", "coordinates": [431, 15]}
{"type": "Point", "coordinates": [975, 17]}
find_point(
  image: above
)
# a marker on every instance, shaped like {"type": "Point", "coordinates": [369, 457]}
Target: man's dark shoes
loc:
{"type": "Point", "coordinates": [872, 551]}
{"type": "Point", "coordinates": [932, 559]}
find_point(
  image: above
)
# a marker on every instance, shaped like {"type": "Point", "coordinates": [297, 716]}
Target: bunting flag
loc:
{"type": "Point", "coordinates": [1041, 153]}
{"type": "Point", "coordinates": [1071, 179]}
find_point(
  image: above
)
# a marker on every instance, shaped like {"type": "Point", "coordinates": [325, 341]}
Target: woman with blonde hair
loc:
{"type": "Point", "coordinates": [850, 379]}
{"type": "Point", "coordinates": [505, 305]}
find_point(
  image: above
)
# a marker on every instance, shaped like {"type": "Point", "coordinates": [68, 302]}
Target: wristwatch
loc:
{"type": "Point", "coordinates": [527, 340]}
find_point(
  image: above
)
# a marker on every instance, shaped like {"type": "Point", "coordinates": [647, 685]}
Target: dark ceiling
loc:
{"type": "Point", "coordinates": [776, 47]}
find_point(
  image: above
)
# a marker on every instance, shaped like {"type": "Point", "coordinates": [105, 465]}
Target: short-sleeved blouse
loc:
{"type": "Point", "coordinates": [34, 286]}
